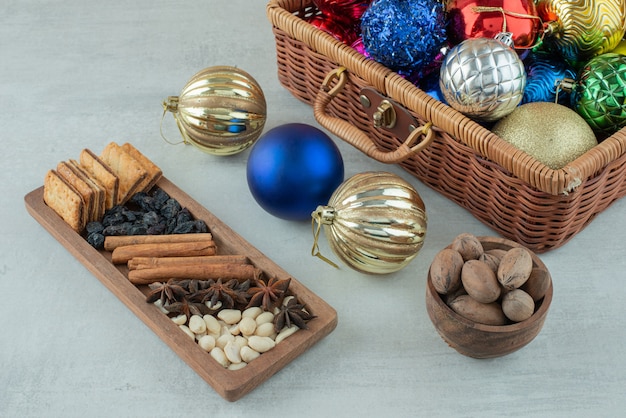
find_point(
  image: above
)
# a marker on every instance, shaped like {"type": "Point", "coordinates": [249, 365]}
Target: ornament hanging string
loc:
{"type": "Point", "coordinates": [316, 226]}
{"type": "Point", "coordinates": [171, 105]}
{"type": "Point", "coordinates": [566, 85]}
{"type": "Point", "coordinates": [505, 13]}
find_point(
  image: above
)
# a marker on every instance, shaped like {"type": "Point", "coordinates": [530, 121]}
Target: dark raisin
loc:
{"type": "Point", "coordinates": [151, 218]}
{"type": "Point", "coordinates": [201, 226]}
{"type": "Point", "coordinates": [184, 228]}
{"type": "Point", "coordinates": [159, 198]}
{"type": "Point", "coordinates": [153, 213]}
{"type": "Point", "coordinates": [121, 229]}
{"type": "Point", "coordinates": [113, 217]}
{"type": "Point", "coordinates": [157, 229]}
{"type": "Point", "coordinates": [170, 209]}
{"type": "Point", "coordinates": [94, 226]}
{"type": "Point", "coordinates": [96, 240]}
{"type": "Point", "coordinates": [129, 215]}
{"type": "Point", "coordinates": [170, 225]}
{"type": "Point", "coordinates": [183, 216]}
{"type": "Point", "coordinates": [142, 201]}
{"type": "Point", "coordinates": [138, 229]}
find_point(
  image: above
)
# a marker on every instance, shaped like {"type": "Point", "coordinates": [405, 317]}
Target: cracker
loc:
{"type": "Point", "coordinates": [99, 198]}
{"type": "Point", "coordinates": [127, 169]}
{"type": "Point", "coordinates": [154, 173]}
{"type": "Point", "coordinates": [101, 172]}
{"type": "Point", "coordinates": [64, 199]}
{"type": "Point", "coordinates": [85, 190]}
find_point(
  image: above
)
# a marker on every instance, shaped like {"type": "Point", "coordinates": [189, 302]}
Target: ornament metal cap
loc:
{"type": "Point", "coordinates": [323, 215]}
{"type": "Point", "coordinates": [506, 38]}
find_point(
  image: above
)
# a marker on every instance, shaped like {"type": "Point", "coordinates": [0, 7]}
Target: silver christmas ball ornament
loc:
{"type": "Point", "coordinates": [483, 78]}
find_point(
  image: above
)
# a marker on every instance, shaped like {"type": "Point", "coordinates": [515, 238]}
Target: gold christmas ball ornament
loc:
{"type": "Point", "coordinates": [375, 222]}
{"type": "Point", "coordinates": [221, 110]}
{"type": "Point", "coordinates": [554, 134]}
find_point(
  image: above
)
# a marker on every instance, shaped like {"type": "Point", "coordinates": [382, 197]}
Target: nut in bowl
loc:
{"type": "Point", "coordinates": [486, 329]}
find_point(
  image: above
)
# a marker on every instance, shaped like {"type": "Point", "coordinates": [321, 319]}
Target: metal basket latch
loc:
{"type": "Point", "coordinates": [386, 114]}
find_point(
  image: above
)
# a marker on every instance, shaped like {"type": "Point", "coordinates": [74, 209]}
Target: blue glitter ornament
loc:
{"type": "Point", "coordinates": [543, 74]}
{"type": "Point", "coordinates": [404, 35]}
{"type": "Point", "coordinates": [292, 169]}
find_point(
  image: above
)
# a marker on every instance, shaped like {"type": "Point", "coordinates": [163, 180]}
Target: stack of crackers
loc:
{"type": "Point", "coordinates": [81, 191]}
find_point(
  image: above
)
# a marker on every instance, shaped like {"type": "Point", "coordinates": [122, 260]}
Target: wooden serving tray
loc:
{"type": "Point", "coordinates": [230, 384]}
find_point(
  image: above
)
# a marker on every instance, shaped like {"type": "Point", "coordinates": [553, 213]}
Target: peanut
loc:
{"type": "Point", "coordinates": [234, 338]}
{"type": "Point", "coordinates": [247, 325]}
{"type": "Point", "coordinates": [252, 312]}
{"type": "Point", "coordinates": [219, 356]}
{"type": "Point", "coordinates": [266, 329]}
{"type": "Point", "coordinates": [261, 344]}
{"type": "Point", "coordinates": [248, 354]}
{"type": "Point", "coordinates": [197, 324]}
{"type": "Point", "coordinates": [213, 327]}
{"type": "Point", "coordinates": [264, 317]}
{"type": "Point", "coordinates": [207, 343]}
{"type": "Point", "coordinates": [230, 316]}
{"type": "Point", "coordinates": [286, 332]}
{"type": "Point", "coordinates": [232, 352]}
{"type": "Point", "coordinates": [237, 366]}
{"type": "Point", "coordinates": [187, 331]}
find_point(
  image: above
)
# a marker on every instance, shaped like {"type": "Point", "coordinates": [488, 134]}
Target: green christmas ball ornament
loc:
{"type": "Point", "coordinates": [554, 134]}
{"type": "Point", "coordinates": [221, 110]}
{"type": "Point", "coordinates": [599, 93]}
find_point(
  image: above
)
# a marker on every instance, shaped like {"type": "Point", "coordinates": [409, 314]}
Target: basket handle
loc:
{"type": "Point", "coordinates": [356, 137]}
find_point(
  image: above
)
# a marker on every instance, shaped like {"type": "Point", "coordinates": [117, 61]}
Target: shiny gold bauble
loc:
{"type": "Point", "coordinates": [221, 110]}
{"type": "Point", "coordinates": [582, 29]}
{"type": "Point", "coordinates": [554, 134]}
{"type": "Point", "coordinates": [620, 48]}
{"type": "Point", "coordinates": [375, 222]}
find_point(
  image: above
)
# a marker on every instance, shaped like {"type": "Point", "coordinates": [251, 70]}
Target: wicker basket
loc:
{"type": "Point", "coordinates": [508, 190]}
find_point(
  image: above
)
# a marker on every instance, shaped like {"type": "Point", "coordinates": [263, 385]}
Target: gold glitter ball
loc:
{"type": "Point", "coordinates": [554, 134]}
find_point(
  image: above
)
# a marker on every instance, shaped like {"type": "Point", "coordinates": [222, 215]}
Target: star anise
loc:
{"type": "Point", "coordinates": [167, 292]}
{"type": "Point", "coordinates": [218, 291]}
{"type": "Point", "coordinates": [192, 285]}
{"type": "Point", "coordinates": [265, 294]}
{"type": "Point", "coordinates": [242, 295]}
{"type": "Point", "coordinates": [187, 308]}
{"type": "Point", "coordinates": [292, 313]}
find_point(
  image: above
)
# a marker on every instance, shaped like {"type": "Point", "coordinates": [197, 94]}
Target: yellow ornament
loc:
{"type": "Point", "coordinates": [582, 29]}
{"type": "Point", "coordinates": [620, 48]}
{"type": "Point", "coordinates": [375, 222]}
{"type": "Point", "coordinates": [554, 134]}
{"type": "Point", "coordinates": [221, 110]}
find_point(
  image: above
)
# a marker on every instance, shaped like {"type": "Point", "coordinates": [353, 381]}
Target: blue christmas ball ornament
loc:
{"type": "Point", "coordinates": [543, 75]}
{"type": "Point", "coordinates": [292, 169]}
{"type": "Point", "coordinates": [404, 35]}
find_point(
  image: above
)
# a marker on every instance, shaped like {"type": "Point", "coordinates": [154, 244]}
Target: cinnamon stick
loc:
{"type": "Point", "coordinates": [112, 242]}
{"type": "Point", "coordinates": [121, 255]}
{"type": "Point", "coordinates": [226, 271]}
{"type": "Point", "coordinates": [138, 263]}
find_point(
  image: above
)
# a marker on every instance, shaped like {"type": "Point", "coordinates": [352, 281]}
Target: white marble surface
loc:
{"type": "Point", "coordinates": [80, 73]}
